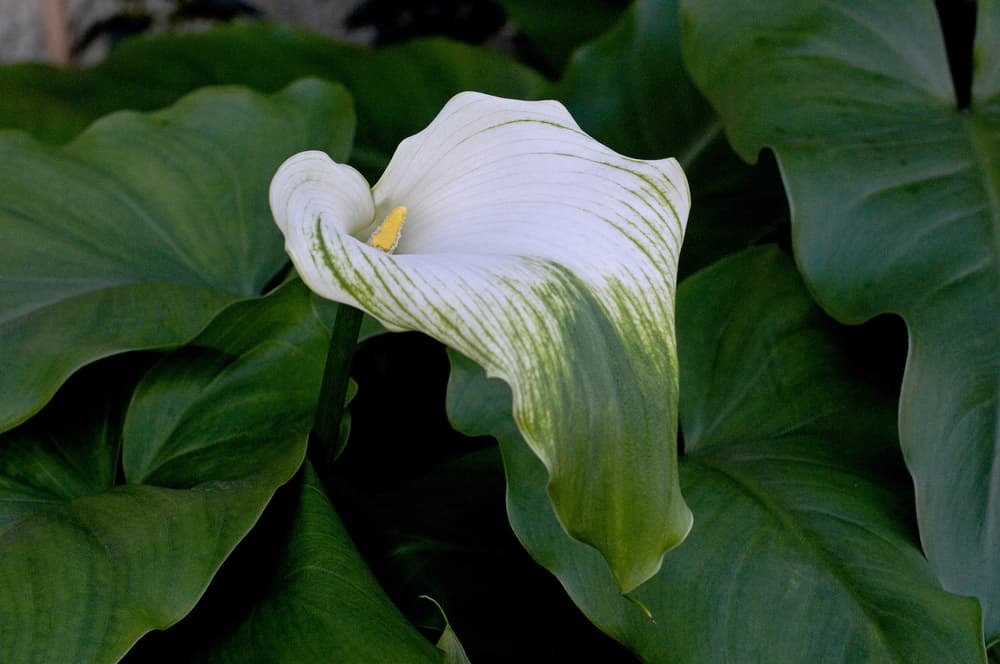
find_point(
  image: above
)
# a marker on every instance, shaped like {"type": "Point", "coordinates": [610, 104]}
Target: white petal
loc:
{"type": "Point", "coordinates": [311, 186]}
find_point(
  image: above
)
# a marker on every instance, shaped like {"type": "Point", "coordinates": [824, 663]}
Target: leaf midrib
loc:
{"type": "Point", "coordinates": [804, 536]}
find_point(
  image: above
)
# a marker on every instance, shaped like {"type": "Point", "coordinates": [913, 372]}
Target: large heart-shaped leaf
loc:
{"type": "Point", "coordinates": [135, 234]}
{"type": "Point", "coordinates": [896, 198]}
{"type": "Point", "coordinates": [794, 477]}
{"type": "Point", "coordinates": [397, 90]}
{"type": "Point", "coordinates": [88, 564]}
{"type": "Point", "coordinates": [616, 87]}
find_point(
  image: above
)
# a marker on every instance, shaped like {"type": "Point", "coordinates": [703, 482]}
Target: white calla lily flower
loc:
{"type": "Point", "coordinates": [507, 233]}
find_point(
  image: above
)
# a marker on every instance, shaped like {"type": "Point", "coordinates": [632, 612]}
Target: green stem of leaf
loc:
{"type": "Point", "coordinates": [333, 393]}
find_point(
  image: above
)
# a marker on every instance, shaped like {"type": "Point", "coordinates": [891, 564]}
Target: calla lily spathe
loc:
{"type": "Point", "coordinates": [551, 261]}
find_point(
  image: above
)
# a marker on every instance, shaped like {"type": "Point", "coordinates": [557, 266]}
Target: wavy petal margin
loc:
{"type": "Point", "coordinates": [551, 261]}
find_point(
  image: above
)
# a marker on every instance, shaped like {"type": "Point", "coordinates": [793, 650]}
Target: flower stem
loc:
{"type": "Point", "coordinates": [333, 393]}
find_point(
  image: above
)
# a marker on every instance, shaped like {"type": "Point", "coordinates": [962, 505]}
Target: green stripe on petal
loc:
{"type": "Point", "coordinates": [550, 260]}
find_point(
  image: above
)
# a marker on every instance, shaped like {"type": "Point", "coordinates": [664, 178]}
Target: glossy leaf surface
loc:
{"type": "Point", "coordinates": [895, 193]}
{"type": "Point", "coordinates": [90, 557]}
{"type": "Point", "coordinates": [135, 234]}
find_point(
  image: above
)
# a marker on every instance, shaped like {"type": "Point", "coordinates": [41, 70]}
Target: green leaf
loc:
{"type": "Point", "coordinates": [792, 474]}
{"type": "Point", "coordinates": [248, 379]}
{"type": "Point", "coordinates": [295, 590]}
{"type": "Point", "coordinates": [896, 200]}
{"type": "Point", "coordinates": [88, 565]}
{"type": "Point", "coordinates": [135, 234]}
{"type": "Point", "coordinates": [629, 90]}
{"type": "Point", "coordinates": [632, 66]}
{"type": "Point", "coordinates": [396, 90]}
{"type": "Point", "coordinates": [556, 27]}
